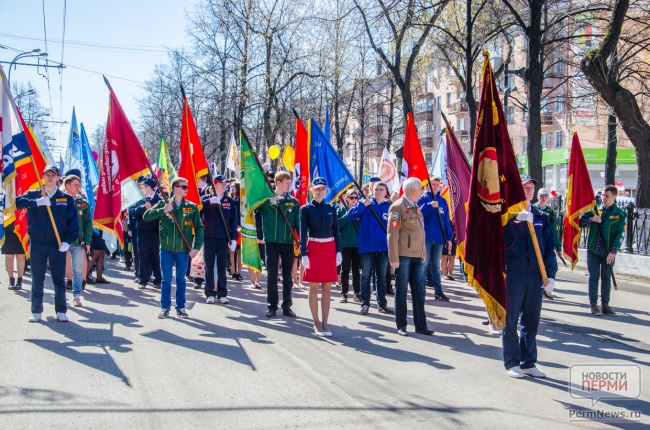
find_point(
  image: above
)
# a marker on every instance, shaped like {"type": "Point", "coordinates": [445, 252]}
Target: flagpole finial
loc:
{"type": "Point", "coordinates": [295, 113]}
{"type": "Point", "coordinates": [108, 84]}
{"type": "Point", "coordinates": [183, 91]}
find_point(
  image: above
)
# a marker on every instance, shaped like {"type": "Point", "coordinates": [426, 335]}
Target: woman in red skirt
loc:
{"type": "Point", "coordinates": [320, 247]}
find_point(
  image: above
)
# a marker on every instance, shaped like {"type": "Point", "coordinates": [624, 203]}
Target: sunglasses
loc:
{"type": "Point", "coordinates": [185, 187]}
{"type": "Point", "coordinates": [353, 198]}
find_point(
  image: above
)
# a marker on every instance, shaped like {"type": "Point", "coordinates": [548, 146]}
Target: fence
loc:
{"type": "Point", "coordinates": [637, 234]}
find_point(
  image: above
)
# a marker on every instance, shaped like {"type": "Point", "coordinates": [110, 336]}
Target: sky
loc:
{"type": "Point", "coordinates": [122, 39]}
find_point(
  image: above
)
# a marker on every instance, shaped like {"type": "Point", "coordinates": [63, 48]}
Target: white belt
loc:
{"type": "Point", "coordinates": [317, 239]}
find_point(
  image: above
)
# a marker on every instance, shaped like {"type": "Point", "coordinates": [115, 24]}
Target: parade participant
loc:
{"type": "Point", "coordinates": [202, 185]}
{"type": "Point", "coordinates": [128, 244]}
{"type": "Point", "coordinates": [348, 231]}
{"type": "Point", "coordinates": [13, 250]}
{"type": "Point", "coordinates": [80, 248]}
{"type": "Point", "coordinates": [173, 251]}
{"type": "Point", "coordinates": [44, 246]}
{"type": "Point", "coordinates": [606, 229]}
{"type": "Point", "coordinates": [219, 237]}
{"type": "Point", "coordinates": [320, 247]}
{"type": "Point", "coordinates": [133, 233]}
{"type": "Point", "coordinates": [235, 256]}
{"type": "Point", "coordinates": [448, 258]}
{"type": "Point", "coordinates": [373, 245]}
{"type": "Point", "coordinates": [435, 236]}
{"type": "Point", "coordinates": [407, 252]}
{"type": "Point", "coordinates": [279, 241]}
{"type": "Point", "coordinates": [543, 196]}
{"type": "Point", "coordinates": [98, 250]}
{"type": "Point", "coordinates": [148, 236]}
{"type": "Point", "coordinates": [254, 276]}
{"type": "Point", "coordinates": [524, 284]}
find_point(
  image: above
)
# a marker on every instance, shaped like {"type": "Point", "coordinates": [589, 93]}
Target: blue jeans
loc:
{"type": "Point", "coordinates": [434, 254]}
{"type": "Point", "coordinates": [378, 261]}
{"type": "Point", "coordinates": [411, 271]}
{"type": "Point", "coordinates": [599, 270]}
{"type": "Point", "coordinates": [524, 297]}
{"type": "Point", "coordinates": [40, 254]}
{"type": "Point", "coordinates": [77, 256]}
{"type": "Point", "coordinates": [168, 260]}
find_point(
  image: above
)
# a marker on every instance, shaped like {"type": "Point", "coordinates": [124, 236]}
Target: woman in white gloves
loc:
{"type": "Point", "coordinates": [320, 247]}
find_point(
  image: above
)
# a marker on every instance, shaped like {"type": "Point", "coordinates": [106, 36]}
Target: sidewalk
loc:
{"type": "Point", "coordinates": [115, 365]}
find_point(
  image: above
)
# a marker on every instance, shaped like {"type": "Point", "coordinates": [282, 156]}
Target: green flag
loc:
{"type": "Point", "coordinates": [254, 191]}
{"type": "Point", "coordinates": [165, 165]}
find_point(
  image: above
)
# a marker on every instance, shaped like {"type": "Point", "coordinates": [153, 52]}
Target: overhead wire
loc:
{"type": "Point", "coordinates": [65, 7]}
{"type": "Point", "coordinates": [47, 69]}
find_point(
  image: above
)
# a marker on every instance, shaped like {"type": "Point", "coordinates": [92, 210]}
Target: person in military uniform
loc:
{"type": "Point", "coordinates": [606, 234]}
{"type": "Point", "coordinates": [133, 234]}
{"type": "Point", "coordinates": [80, 248]}
{"type": "Point", "coordinates": [220, 238]}
{"type": "Point", "coordinates": [524, 284]}
{"type": "Point", "coordinates": [543, 197]}
{"type": "Point", "coordinates": [148, 236]}
{"type": "Point", "coordinates": [173, 250]}
{"type": "Point", "coordinates": [44, 246]}
{"type": "Point", "coordinates": [279, 240]}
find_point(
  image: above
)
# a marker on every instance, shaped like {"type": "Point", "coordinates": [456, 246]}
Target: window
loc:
{"type": "Point", "coordinates": [461, 124]}
{"type": "Point", "coordinates": [510, 115]}
{"type": "Point", "coordinates": [524, 113]}
{"type": "Point", "coordinates": [429, 83]}
{"type": "Point", "coordinates": [544, 107]}
{"type": "Point", "coordinates": [448, 100]}
{"type": "Point", "coordinates": [524, 144]}
{"type": "Point", "coordinates": [438, 102]}
{"type": "Point", "coordinates": [544, 141]}
{"type": "Point", "coordinates": [380, 119]}
{"type": "Point", "coordinates": [558, 139]}
{"type": "Point", "coordinates": [558, 67]}
{"type": "Point", "coordinates": [559, 104]}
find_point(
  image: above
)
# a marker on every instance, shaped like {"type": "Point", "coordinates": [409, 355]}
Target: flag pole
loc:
{"type": "Point", "coordinates": [356, 184]}
{"type": "Point", "coordinates": [40, 184]}
{"type": "Point", "coordinates": [284, 215]}
{"type": "Point", "coordinates": [159, 186]}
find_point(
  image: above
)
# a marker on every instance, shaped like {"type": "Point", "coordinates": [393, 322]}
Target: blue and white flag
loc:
{"type": "Point", "coordinates": [439, 166]}
{"type": "Point", "coordinates": [88, 168]}
{"type": "Point", "coordinates": [325, 163]}
{"type": "Point", "coordinates": [73, 153]}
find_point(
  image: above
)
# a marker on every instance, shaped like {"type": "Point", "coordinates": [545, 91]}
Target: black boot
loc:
{"type": "Point", "coordinates": [83, 285]}
{"type": "Point", "coordinates": [12, 283]}
{"type": "Point", "coordinates": [68, 284]}
{"type": "Point", "coordinates": [19, 283]}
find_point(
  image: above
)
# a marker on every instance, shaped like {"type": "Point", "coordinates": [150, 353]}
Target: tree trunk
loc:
{"type": "Point", "coordinates": [469, 84]}
{"type": "Point", "coordinates": [610, 161]}
{"type": "Point", "coordinates": [534, 76]}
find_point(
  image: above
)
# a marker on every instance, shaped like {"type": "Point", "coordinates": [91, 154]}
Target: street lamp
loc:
{"type": "Point", "coordinates": [26, 93]}
{"type": "Point", "coordinates": [33, 53]}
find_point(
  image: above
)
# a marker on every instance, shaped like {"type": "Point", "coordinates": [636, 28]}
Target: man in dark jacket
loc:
{"type": "Point", "coordinates": [148, 236]}
{"type": "Point", "coordinates": [43, 242]}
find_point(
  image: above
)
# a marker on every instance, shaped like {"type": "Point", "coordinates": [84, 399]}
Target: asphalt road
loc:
{"type": "Point", "coordinates": [115, 365]}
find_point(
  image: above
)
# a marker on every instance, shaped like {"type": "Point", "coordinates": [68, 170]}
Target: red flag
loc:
{"type": "Point", "coordinates": [122, 159]}
{"type": "Point", "coordinates": [300, 186]}
{"type": "Point", "coordinates": [458, 178]}
{"type": "Point", "coordinates": [496, 195]}
{"type": "Point", "coordinates": [193, 163]}
{"type": "Point", "coordinates": [579, 199]}
{"type": "Point", "coordinates": [413, 164]}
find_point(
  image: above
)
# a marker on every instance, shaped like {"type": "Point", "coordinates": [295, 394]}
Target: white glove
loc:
{"type": "Point", "coordinates": [64, 247]}
{"type": "Point", "coordinates": [305, 262]}
{"type": "Point", "coordinates": [43, 201]}
{"type": "Point", "coordinates": [233, 245]}
{"type": "Point", "coordinates": [550, 286]}
{"type": "Point", "coordinates": [339, 258]}
{"type": "Point", "coordinates": [216, 200]}
{"type": "Point", "coordinates": [525, 216]}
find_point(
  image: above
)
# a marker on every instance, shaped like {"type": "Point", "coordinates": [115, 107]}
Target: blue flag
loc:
{"type": "Point", "coordinates": [327, 128]}
{"type": "Point", "coordinates": [89, 171]}
{"type": "Point", "coordinates": [325, 163]}
{"type": "Point", "coordinates": [73, 153]}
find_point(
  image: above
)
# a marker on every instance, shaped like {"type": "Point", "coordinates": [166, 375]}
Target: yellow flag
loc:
{"type": "Point", "coordinates": [288, 158]}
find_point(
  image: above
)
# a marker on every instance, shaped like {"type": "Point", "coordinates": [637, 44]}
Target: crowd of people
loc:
{"type": "Point", "coordinates": [380, 242]}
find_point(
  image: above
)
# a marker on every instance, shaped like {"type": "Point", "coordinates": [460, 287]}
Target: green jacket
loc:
{"type": "Point", "coordinates": [188, 217]}
{"type": "Point", "coordinates": [613, 229]}
{"type": "Point", "coordinates": [347, 230]}
{"type": "Point", "coordinates": [85, 219]}
{"type": "Point", "coordinates": [274, 227]}
{"type": "Point", "coordinates": [553, 217]}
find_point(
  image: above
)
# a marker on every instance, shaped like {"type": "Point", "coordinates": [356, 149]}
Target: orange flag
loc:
{"type": "Point", "coordinates": [413, 164]}
{"type": "Point", "coordinates": [579, 199]}
{"type": "Point", "coordinates": [300, 185]}
{"type": "Point", "coordinates": [495, 195]}
{"type": "Point", "coordinates": [193, 163]}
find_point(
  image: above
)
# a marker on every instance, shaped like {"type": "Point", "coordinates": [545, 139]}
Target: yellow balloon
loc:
{"type": "Point", "coordinates": [274, 152]}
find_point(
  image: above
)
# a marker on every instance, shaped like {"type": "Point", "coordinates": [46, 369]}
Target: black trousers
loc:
{"type": "Point", "coordinates": [149, 256]}
{"type": "Point", "coordinates": [351, 259]}
{"type": "Point", "coordinates": [128, 251]}
{"type": "Point", "coordinates": [273, 253]}
{"type": "Point", "coordinates": [216, 248]}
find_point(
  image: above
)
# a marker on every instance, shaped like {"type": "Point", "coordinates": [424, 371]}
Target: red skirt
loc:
{"type": "Point", "coordinates": [322, 262]}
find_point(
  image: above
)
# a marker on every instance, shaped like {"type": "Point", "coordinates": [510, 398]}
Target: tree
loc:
{"type": "Point", "coordinates": [401, 25]}
{"type": "Point", "coordinates": [618, 59]}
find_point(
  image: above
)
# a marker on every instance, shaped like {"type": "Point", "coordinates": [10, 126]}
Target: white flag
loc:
{"type": "Point", "coordinates": [388, 172]}
{"type": "Point", "coordinates": [233, 162]}
{"type": "Point", "coordinates": [439, 166]}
